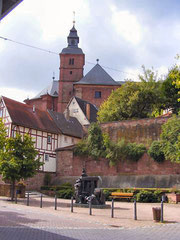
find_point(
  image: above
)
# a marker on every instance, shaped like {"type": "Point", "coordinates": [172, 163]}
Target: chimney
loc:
{"type": "Point", "coordinates": [66, 114]}
{"type": "Point", "coordinates": [88, 111]}
{"type": "Point", "coordinates": [34, 108]}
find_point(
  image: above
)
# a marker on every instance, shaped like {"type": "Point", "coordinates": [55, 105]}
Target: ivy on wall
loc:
{"type": "Point", "coordinates": [168, 147]}
{"type": "Point", "coordinates": [98, 145]}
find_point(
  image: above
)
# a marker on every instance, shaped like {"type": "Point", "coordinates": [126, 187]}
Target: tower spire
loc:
{"type": "Point", "coordinates": [74, 21]}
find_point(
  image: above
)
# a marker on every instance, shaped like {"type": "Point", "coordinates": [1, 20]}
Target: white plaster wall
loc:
{"type": "Point", "coordinates": [50, 166]}
{"type": "Point", "coordinates": [75, 111]}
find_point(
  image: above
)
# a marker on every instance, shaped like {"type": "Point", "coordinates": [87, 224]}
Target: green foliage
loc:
{"type": "Point", "coordinates": [170, 90]}
{"type": "Point", "coordinates": [2, 136]}
{"type": "Point", "coordinates": [116, 152]}
{"type": "Point", "coordinates": [81, 148]}
{"type": "Point", "coordinates": [95, 141]}
{"type": "Point", "coordinates": [47, 179]}
{"type": "Point", "coordinates": [170, 138]}
{"type": "Point", "coordinates": [92, 145]}
{"type": "Point", "coordinates": [148, 197]}
{"type": "Point", "coordinates": [65, 193]}
{"type": "Point", "coordinates": [18, 160]}
{"type": "Point", "coordinates": [124, 151]}
{"type": "Point", "coordinates": [99, 145]}
{"type": "Point", "coordinates": [65, 190]}
{"type": "Point", "coordinates": [133, 99]}
{"type": "Point", "coordinates": [156, 152]}
{"type": "Point", "coordinates": [141, 194]}
{"type": "Point", "coordinates": [135, 151]}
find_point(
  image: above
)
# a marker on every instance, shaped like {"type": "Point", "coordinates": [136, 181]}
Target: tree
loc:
{"type": "Point", "coordinates": [92, 145]}
{"type": "Point", "coordinates": [170, 90]}
{"type": "Point", "coordinates": [2, 136]}
{"type": "Point", "coordinates": [133, 99]}
{"type": "Point", "coordinates": [170, 138]}
{"type": "Point", "coordinates": [177, 77]}
{"type": "Point", "coordinates": [19, 160]}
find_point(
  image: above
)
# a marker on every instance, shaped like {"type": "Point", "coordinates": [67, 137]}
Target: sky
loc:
{"type": "Point", "coordinates": [122, 34]}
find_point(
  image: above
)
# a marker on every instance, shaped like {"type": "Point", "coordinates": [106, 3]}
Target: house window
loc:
{"type": "Point", "coordinates": [75, 110]}
{"type": "Point", "coordinates": [65, 139]}
{"type": "Point", "coordinates": [72, 140]}
{"type": "Point", "coordinates": [49, 139]}
{"type": "Point", "coordinates": [14, 130]}
{"type": "Point", "coordinates": [71, 61]}
{"type": "Point", "coordinates": [46, 157]}
{"type": "Point", "coordinates": [97, 94]}
{"type": "Point", "coordinates": [70, 72]}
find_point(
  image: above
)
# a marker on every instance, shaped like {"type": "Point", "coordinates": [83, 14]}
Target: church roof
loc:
{"type": "Point", "coordinates": [51, 89]}
{"type": "Point", "coordinates": [93, 110]}
{"type": "Point", "coordinates": [97, 76]}
{"type": "Point", "coordinates": [70, 127]}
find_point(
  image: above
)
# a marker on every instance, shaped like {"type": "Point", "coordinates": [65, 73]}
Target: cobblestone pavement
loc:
{"type": "Point", "coordinates": [20, 222]}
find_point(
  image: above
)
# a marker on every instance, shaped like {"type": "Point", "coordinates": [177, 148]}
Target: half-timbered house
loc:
{"type": "Point", "coordinates": [49, 130]}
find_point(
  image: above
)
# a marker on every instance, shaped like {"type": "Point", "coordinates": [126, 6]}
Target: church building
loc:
{"type": "Point", "coordinates": [94, 87]}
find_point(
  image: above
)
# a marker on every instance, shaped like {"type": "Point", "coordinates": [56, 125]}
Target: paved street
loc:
{"type": "Point", "coordinates": [18, 221]}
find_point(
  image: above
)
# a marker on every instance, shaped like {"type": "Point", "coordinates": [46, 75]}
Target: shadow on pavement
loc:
{"type": "Point", "coordinates": [26, 233]}
{"type": "Point", "coordinates": [14, 219]}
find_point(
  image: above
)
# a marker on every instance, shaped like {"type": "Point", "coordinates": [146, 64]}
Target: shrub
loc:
{"type": "Point", "coordinates": [156, 152]}
{"type": "Point", "coordinates": [45, 187]}
{"type": "Point", "coordinates": [135, 151]}
{"type": "Point", "coordinates": [148, 197]}
{"type": "Point", "coordinates": [65, 190]}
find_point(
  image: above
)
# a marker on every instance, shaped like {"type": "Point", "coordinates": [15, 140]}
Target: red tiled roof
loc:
{"type": "Point", "coordinates": [21, 114]}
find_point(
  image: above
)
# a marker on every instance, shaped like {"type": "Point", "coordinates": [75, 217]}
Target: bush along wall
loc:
{"type": "Point", "coordinates": [98, 145]}
{"type": "Point", "coordinates": [65, 190]}
{"type": "Point", "coordinates": [145, 195]}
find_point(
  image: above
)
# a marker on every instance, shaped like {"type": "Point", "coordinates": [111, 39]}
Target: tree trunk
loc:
{"type": "Point", "coordinates": [12, 190]}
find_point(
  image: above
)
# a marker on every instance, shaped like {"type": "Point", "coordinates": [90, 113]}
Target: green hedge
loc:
{"type": "Point", "coordinates": [141, 194]}
{"type": "Point", "coordinates": [65, 190]}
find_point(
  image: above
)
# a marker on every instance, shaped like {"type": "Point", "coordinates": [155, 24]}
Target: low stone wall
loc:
{"type": "Point", "coordinates": [5, 190]}
{"type": "Point", "coordinates": [144, 173]}
{"type": "Point", "coordinates": [131, 181]}
{"type": "Point", "coordinates": [37, 181]}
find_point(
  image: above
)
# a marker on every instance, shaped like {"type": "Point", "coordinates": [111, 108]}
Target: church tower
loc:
{"type": "Point", "coordinates": [72, 61]}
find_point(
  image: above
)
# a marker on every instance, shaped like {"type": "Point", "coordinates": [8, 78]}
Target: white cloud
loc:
{"type": "Point", "coordinates": [56, 18]}
{"type": "Point", "coordinates": [127, 25]}
{"type": "Point", "coordinates": [162, 70]}
{"type": "Point", "coordinates": [132, 73]}
{"type": "Point", "coordinates": [16, 94]}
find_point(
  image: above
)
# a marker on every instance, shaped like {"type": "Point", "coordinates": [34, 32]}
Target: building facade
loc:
{"type": "Point", "coordinates": [95, 87]}
{"type": "Point", "coordinates": [49, 130]}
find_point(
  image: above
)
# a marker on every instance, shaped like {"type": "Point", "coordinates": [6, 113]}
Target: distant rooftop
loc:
{"type": "Point", "coordinates": [52, 90]}
{"type": "Point", "coordinates": [97, 76]}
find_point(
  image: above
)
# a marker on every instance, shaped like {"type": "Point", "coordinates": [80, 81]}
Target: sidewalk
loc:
{"type": "Point", "coordinates": [123, 213]}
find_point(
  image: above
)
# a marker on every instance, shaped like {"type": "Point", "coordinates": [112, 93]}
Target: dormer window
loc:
{"type": "Point", "coordinates": [71, 61]}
